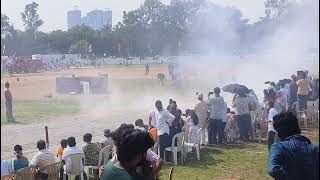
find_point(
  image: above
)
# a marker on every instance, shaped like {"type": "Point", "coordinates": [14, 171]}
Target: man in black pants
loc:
{"type": "Point", "coordinates": [163, 119]}
{"type": "Point", "coordinates": [218, 109]}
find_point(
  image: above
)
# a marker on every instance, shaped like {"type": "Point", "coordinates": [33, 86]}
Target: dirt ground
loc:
{"type": "Point", "coordinates": [33, 87]}
{"type": "Point", "coordinates": [44, 83]}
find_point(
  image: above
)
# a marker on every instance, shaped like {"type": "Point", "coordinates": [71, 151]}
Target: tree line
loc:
{"type": "Point", "coordinates": [183, 26]}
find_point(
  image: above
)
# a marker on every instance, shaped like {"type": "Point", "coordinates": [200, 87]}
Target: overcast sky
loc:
{"type": "Point", "coordinates": [54, 12]}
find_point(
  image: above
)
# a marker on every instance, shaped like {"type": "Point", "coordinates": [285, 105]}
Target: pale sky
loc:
{"type": "Point", "coordinates": [54, 12]}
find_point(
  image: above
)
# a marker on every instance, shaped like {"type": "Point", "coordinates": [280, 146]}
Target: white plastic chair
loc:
{"type": "Point", "coordinates": [194, 145]}
{"type": "Point", "coordinates": [175, 149]}
{"type": "Point", "coordinates": [74, 165]}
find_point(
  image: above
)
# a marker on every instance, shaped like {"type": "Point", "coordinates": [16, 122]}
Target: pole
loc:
{"type": "Point", "coordinates": [171, 173]}
{"type": "Point", "coordinates": [47, 136]}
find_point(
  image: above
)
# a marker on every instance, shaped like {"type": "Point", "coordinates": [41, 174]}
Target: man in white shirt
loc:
{"type": "Point", "coordinates": [71, 149]}
{"type": "Point", "coordinates": [163, 120]}
{"type": "Point", "coordinates": [218, 109]}
{"type": "Point", "coordinates": [271, 130]}
{"type": "Point", "coordinates": [42, 159]}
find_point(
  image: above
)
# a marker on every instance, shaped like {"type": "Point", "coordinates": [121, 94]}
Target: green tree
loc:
{"type": "Point", "coordinates": [30, 17]}
{"type": "Point", "coordinates": [274, 9]}
{"type": "Point", "coordinates": [80, 47]}
{"type": "Point", "coordinates": [6, 28]}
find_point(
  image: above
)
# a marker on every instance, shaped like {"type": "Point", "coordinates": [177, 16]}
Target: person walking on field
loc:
{"type": "Point", "coordinates": [201, 109]}
{"type": "Point", "coordinates": [147, 69]}
{"type": "Point", "coordinates": [8, 97]}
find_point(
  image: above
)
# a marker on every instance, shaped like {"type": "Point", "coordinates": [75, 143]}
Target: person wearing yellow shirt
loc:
{"type": "Point", "coordinates": [303, 91]}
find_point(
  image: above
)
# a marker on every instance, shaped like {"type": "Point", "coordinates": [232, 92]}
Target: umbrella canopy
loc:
{"type": "Point", "coordinates": [233, 88]}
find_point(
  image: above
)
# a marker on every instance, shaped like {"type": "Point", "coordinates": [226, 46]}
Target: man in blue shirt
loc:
{"type": "Point", "coordinates": [294, 157]}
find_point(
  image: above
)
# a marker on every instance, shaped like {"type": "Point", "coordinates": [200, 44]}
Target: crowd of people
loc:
{"type": "Point", "coordinates": [138, 150]}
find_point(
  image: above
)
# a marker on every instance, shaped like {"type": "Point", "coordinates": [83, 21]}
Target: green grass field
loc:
{"type": "Point", "coordinates": [26, 112]}
{"type": "Point", "coordinates": [231, 161]}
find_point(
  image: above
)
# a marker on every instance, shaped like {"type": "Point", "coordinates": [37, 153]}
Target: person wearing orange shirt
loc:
{"type": "Point", "coordinates": [63, 146]}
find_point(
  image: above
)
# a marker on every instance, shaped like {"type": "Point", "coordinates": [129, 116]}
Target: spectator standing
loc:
{"type": "Point", "coordinates": [201, 109]}
{"type": "Point", "coordinates": [293, 90]}
{"type": "Point", "coordinates": [271, 131]}
{"type": "Point", "coordinates": [242, 115]}
{"type": "Point", "coordinates": [303, 92]}
{"type": "Point", "coordinates": [176, 125]}
{"type": "Point", "coordinates": [8, 97]}
{"type": "Point", "coordinates": [218, 109]}
{"type": "Point", "coordinates": [163, 119]}
{"type": "Point", "coordinates": [293, 157]}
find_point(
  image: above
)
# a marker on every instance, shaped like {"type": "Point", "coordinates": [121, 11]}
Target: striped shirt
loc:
{"type": "Point", "coordinates": [42, 159]}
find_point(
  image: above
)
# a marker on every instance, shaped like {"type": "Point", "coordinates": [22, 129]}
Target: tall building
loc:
{"type": "Point", "coordinates": [96, 19]}
{"type": "Point", "coordinates": [107, 18]}
{"type": "Point", "coordinates": [73, 18]}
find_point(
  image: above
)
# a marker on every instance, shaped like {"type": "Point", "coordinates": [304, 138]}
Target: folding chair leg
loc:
{"type": "Point", "coordinates": [175, 158]}
{"type": "Point", "coordinates": [198, 152]}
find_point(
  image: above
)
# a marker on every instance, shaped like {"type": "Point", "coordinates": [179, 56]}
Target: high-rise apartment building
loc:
{"type": "Point", "coordinates": [73, 18]}
{"type": "Point", "coordinates": [96, 19]}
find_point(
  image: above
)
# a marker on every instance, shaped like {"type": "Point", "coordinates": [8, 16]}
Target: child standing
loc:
{"type": "Point", "coordinates": [193, 122]}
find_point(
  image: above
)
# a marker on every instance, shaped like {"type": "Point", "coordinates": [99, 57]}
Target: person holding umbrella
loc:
{"type": "Point", "coordinates": [241, 105]}
{"type": "Point", "coordinates": [218, 109]}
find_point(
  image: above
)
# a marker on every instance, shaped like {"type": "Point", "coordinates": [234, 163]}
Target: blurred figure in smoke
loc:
{"type": "Point", "coordinates": [161, 78]}
{"type": "Point", "coordinates": [147, 69]}
{"type": "Point", "coordinates": [201, 109]}
{"type": "Point", "coordinates": [293, 90]}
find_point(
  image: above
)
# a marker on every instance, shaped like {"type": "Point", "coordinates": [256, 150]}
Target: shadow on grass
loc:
{"type": "Point", "coordinates": [11, 123]}
{"type": "Point", "coordinates": [232, 145]}
{"type": "Point", "coordinates": [206, 159]}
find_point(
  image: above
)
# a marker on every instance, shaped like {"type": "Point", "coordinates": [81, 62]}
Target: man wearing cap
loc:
{"type": "Point", "coordinates": [8, 96]}
{"type": "Point", "coordinates": [201, 109]}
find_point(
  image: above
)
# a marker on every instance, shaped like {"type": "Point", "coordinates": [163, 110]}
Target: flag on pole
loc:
{"type": "Point", "coordinates": [90, 48]}
{"type": "Point", "coordinates": [119, 48]}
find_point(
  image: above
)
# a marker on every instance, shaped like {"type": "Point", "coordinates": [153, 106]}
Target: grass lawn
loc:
{"type": "Point", "coordinates": [231, 161]}
{"type": "Point", "coordinates": [26, 112]}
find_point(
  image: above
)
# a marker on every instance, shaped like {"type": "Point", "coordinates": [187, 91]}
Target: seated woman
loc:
{"type": "Point", "coordinates": [19, 161]}
{"type": "Point", "coordinates": [125, 166]}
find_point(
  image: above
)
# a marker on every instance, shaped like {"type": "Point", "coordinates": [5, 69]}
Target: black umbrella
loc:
{"type": "Point", "coordinates": [235, 88]}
